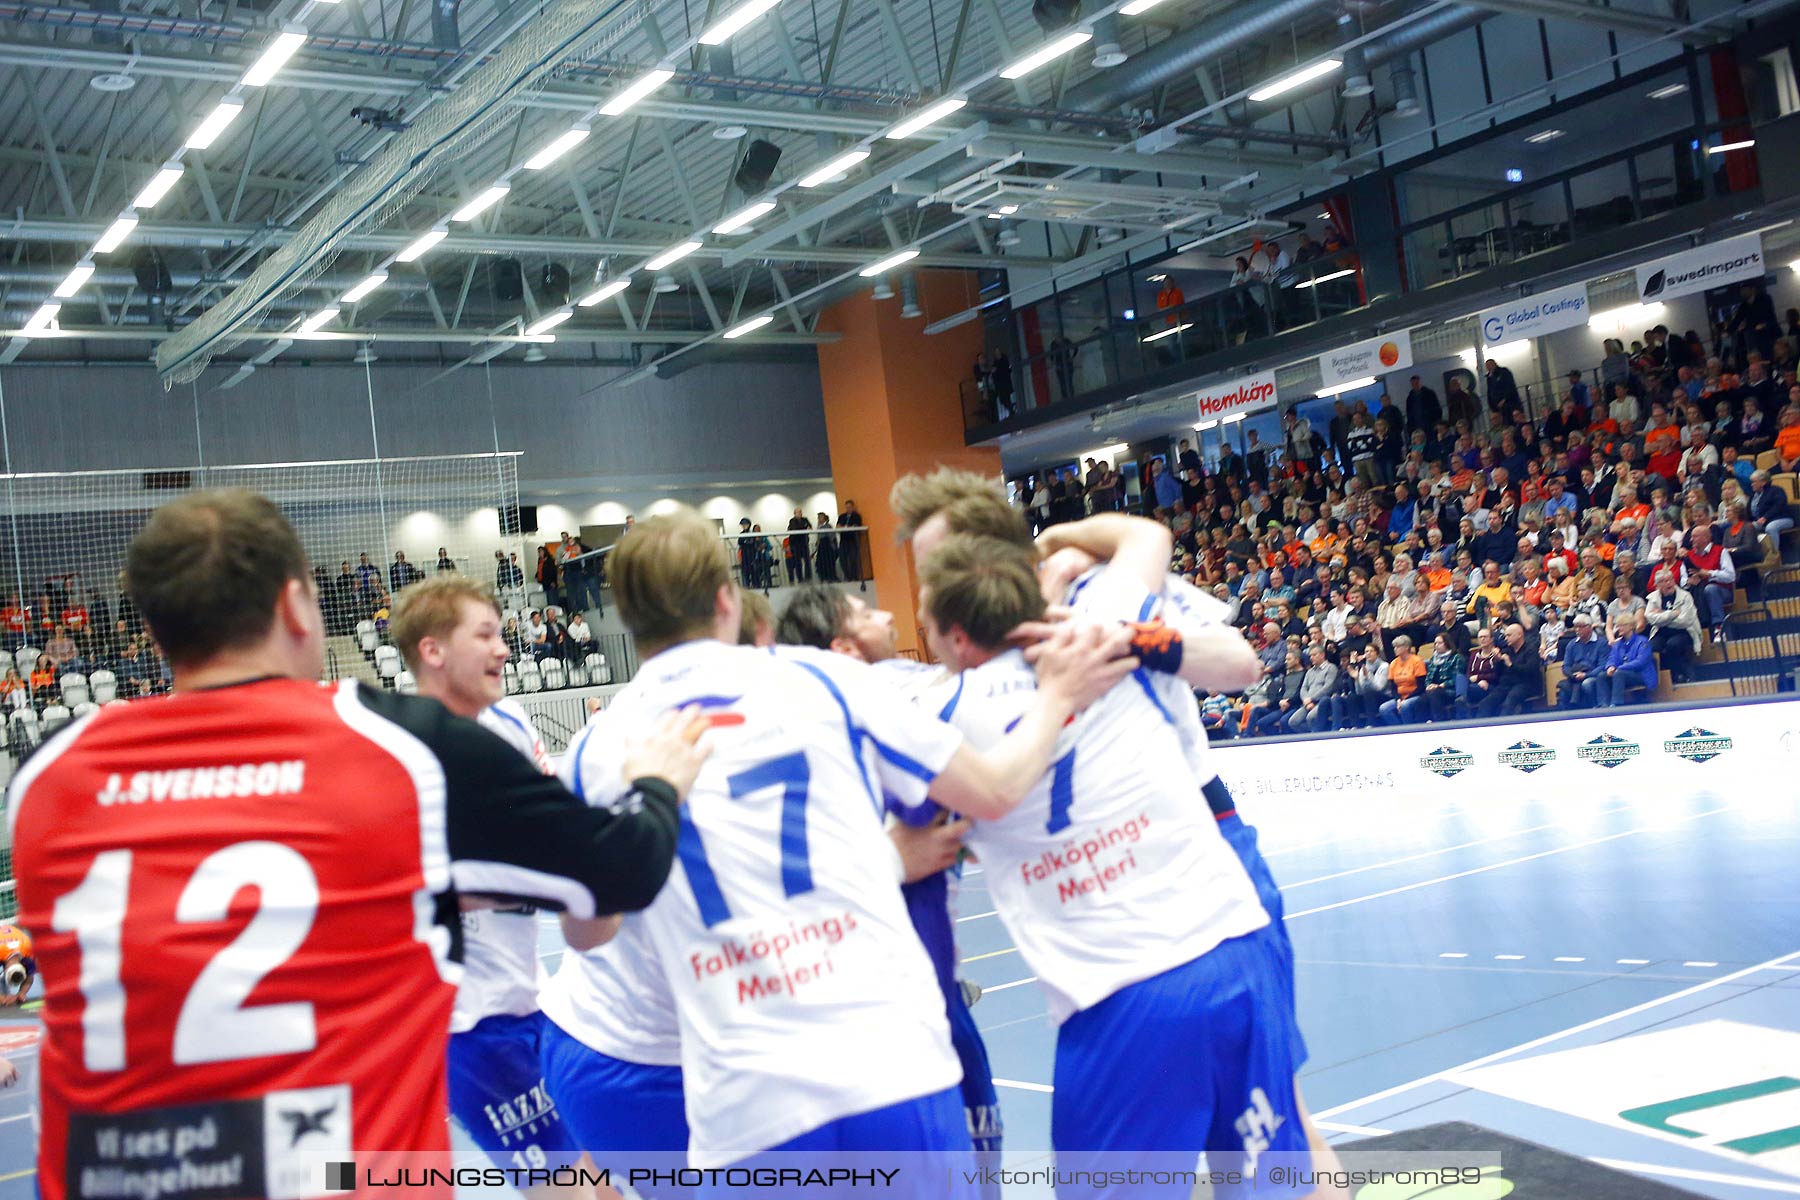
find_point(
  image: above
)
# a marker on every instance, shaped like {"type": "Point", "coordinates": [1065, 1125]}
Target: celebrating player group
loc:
{"type": "Point", "coordinates": [286, 927]}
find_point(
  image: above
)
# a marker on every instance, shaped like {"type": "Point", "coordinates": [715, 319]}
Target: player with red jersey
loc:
{"type": "Point", "coordinates": [244, 896]}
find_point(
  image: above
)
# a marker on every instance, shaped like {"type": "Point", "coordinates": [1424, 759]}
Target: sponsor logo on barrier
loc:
{"type": "Point", "coordinates": [1527, 756]}
{"type": "Point", "coordinates": [1697, 745]}
{"type": "Point", "coordinates": [1535, 315]}
{"type": "Point", "coordinates": [1447, 761]}
{"type": "Point", "coordinates": [1703, 267]}
{"type": "Point", "coordinates": [1609, 750]}
{"type": "Point", "coordinates": [1373, 357]}
{"type": "Point", "coordinates": [1240, 395]}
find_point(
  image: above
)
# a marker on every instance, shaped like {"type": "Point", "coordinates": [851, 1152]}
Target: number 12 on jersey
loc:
{"type": "Point", "coordinates": [791, 774]}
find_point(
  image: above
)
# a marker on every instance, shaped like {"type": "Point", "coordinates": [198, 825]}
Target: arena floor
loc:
{"type": "Point", "coordinates": [1513, 961]}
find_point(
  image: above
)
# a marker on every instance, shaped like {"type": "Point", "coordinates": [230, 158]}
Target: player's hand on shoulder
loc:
{"type": "Point", "coordinates": [1082, 662]}
{"type": "Point", "coordinates": [926, 850]}
{"type": "Point", "coordinates": [672, 752]}
{"type": "Point", "coordinates": [1030, 633]}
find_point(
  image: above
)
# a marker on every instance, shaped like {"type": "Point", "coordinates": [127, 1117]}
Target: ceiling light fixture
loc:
{"type": "Point", "coordinates": [1171, 331]}
{"type": "Point", "coordinates": [1047, 53]}
{"type": "Point", "coordinates": [833, 168]}
{"type": "Point", "coordinates": [750, 326]}
{"type": "Point", "coordinates": [369, 284]}
{"type": "Point", "coordinates": [605, 291]}
{"type": "Point", "coordinates": [1544, 135]}
{"type": "Point", "coordinates": [1667, 91]}
{"type": "Point", "coordinates": [73, 281]}
{"type": "Point", "coordinates": [1292, 80]}
{"type": "Point", "coordinates": [1727, 147]}
{"type": "Point", "coordinates": [1366, 381]}
{"type": "Point", "coordinates": [117, 232]}
{"type": "Point", "coordinates": [1203, 426]}
{"type": "Point", "coordinates": [547, 322]}
{"type": "Point", "coordinates": [739, 221]}
{"type": "Point", "coordinates": [673, 254]}
{"type": "Point", "coordinates": [570, 139]}
{"type": "Point", "coordinates": [889, 263]}
{"type": "Point", "coordinates": [208, 131]}
{"type": "Point", "coordinates": [421, 244]}
{"type": "Point", "coordinates": [323, 317]}
{"type": "Point", "coordinates": [636, 90]}
{"type": "Point", "coordinates": [285, 45]}
{"type": "Point", "coordinates": [1306, 283]}
{"type": "Point", "coordinates": [736, 19]}
{"type": "Point", "coordinates": [482, 203]}
{"type": "Point", "coordinates": [928, 116]}
{"type": "Point", "coordinates": [1138, 6]}
{"type": "Point", "coordinates": [39, 324]}
{"type": "Point", "coordinates": [159, 185]}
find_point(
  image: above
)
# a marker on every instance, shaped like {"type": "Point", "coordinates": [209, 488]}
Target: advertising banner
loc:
{"type": "Point", "coordinates": [1246, 395]}
{"type": "Point", "coordinates": [1534, 315]}
{"type": "Point", "coordinates": [1365, 360]}
{"type": "Point", "coordinates": [1701, 268]}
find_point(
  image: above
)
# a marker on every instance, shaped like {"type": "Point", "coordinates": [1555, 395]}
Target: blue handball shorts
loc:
{"type": "Point", "coordinates": [613, 1105]}
{"type": "Point", "coordinates": [497, 1094]}
{"type": "Point", "coordinates": [1242, 839]}
{"type": "Point", "coordinates": [1197, 1059]}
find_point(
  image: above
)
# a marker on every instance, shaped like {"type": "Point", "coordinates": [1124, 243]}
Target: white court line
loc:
{"type": "Point", "coordinates": [1560, 1034]}
{"type": "Point", "coordinates": [1499, 837]}
{"type": "Point", "coordinates": [1001, 987]}
{"type": "Point", "coordinates": [1359, 1130]}
{"type": "Point", "coordinates": [1509, 958]}
{"type": "Point", "coordinates": [1411, 887]}
{"type": "Point", "coordinates": [1638, 1168]}
{"type": "Point", "coordinates": [1453, 954]}
{"type": "Point", "coordinates": [976, 916]}
{"type": "Point", "coordinates": [1633, 962]}
{"type": "Point", "coordinates": [1569, 958]}
{"type": "Point", "coordinates": [1020, 1085]}
{"type": "Point", "coordinates": [24, 1116]}
{"type": "Point", "coordinates": [989, 954]}
{"type": "Point", "coordinates": [1699, 964]}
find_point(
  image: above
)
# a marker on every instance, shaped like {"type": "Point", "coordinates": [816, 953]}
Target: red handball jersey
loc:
{"type": "Point", "coordinates": [245, 912]}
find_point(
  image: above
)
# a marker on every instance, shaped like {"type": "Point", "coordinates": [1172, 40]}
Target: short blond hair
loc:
{"type": "Point", "coordinates": [970, 503]}
{"type": "Point", "coordinates": [666, 576]}
{"type": "Point", "coordinates": [757, 613]}
{"type": "Point", "coordinates": [985, 585]}
{"type": "Point", "coordinates": [432, 608]}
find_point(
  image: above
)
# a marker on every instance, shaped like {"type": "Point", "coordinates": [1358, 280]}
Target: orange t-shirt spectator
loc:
{"type": "Point", "coordinates": [43, 674]}
{"type": "Point", "coordinates": [1167, 297]}
{"type": "Point", "coordinates": [1787, 443]}
{"type": "Point", "coordinates": [1405, 672]}
{"type": "Point", "coordinates": [13, 617]}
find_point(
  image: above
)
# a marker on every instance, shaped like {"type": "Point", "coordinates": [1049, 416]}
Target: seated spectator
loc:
{"type": "Point", "coordinates": [1562, 587]}
{"type": "Point", "coordinates": [537, 635]}
{"type": "Point", "coordinates": [516, 641]}
{"type": "Point", "coordinates": [1485, 666]}
{"type": "Point", "coordinates": [1710, 576]}
{"type": "Point", "coordinates": [1584, 666]}
{"type": "Point", "coordinates": [579, 633]}
{"type": "Point", "coordinates": [43, 676]}
{"type": "Point", "coordinates": [1219, 717]}
{"type": "Point", "coordinates": [1787, 439]}
{"type": "Point", "coordinates": [1443, 675]}
{"type": "Point", "coordinates": [1521, 677]}
{"type": "Point", "coordinates": [1630, 665]}
{"type": "Point", "coordinates": [1493, 589]}
{"type": "Point", "coordinates": [1404, 673]}
{"type": "Point", "coordinates": [1625, 606]}
{"type": "Point", "coordinates": [134, 676]}
{"type": "Point", "coordinates": [1552, 632]}
{"type": "Point", "coordinates": [61, 646]}
{"type": "Point", "coordinates": [1313, 712]}
{"type": "Point", "coordinates": [1596, 574]}
{"type": "Point", "coordinates": [1360, 706]}
{"type": "Point", "coordinates": [10, 683]}
{"type": "Point", "coordinates": [1587, 602]}
{"type": "Point", "coordinates": [1283, 696]}
{"type": "Point", "coordinates": [1769, 507]}
{"type": "Point", "coordinates": [1675, 625]}
{"type": "Point", "coordinates": [1744, 543]}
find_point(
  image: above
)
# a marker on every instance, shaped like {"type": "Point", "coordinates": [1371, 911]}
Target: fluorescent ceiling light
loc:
{"type": "Point", "coordinates": [743, 216]}
{"type": "Point", "coordinates": [1203, 426]}
{"type": "Point", "coordinates": [833, 168]}
{"type": "Point", "coordinates": [1629, 314]}
{"type": "Point", "coordinates": [1138, 6]}
{"type": "Point", "coordinates": [1665, 92]}
{"type": "Point", "coordinates": [362, 289]}
{"type": "Point", "coordinates": [482, 203]}
{"type": "Point", "coordinates": [117, 232]}
{"type": "Point", "coordinates": [572, 138]}
{"type": "Point", "coordinates": [323, 317]}
{"type": "Point", "coordinates": [1234, 418]}
{"type": "Point", "coordinates": [1544, 135]}
{"type": "Point", "coordinates": [605, 291]}
{"type": "Point", "coordinates": [208, 131]}
{"type": "Point", "coordinates": [1171, 331]}
{"type": "Point", "coordinates": [673, 254]}
{"type": "Point", "coordinates": [888, 263]}
{"type": "Point", "coordinates": [1048, 52]}
{"type": "Point", "coordinates": [1346, 387]}
{"type": "Point", "coordinates": [1795, 264]}
{"type": "Point", "coordinates": [750, 326]}
{"type": "Point", "coordinates": [636, 90]}
{"type": "Point", "coordinates": [1306, 283]}
{"type": "Point", "coordinates": [722, 29]}
{"type": "Point", "coordinates": [286, 43]}
{"type": "Point", "coordinates": [929, 116]}
{"type": "Point", "coordinates": [39, 324]}
{"type": "Point", "coordinates": [1289, 82]}
{"type": "Point", "coordinates": [546, 323]}
{"type": "Point", "coordinates": [1729, 146]}
{"type": "Point", "coordinates": [1324, 216]}
{"type": "Point", "coordinates": [73, 281]}
{"type": "Point", "coordinates": [159, 185]}
{"type": "Point", "coordinates": [420, 245]}
{"type": "Point", "coordinates": [1157, 278]}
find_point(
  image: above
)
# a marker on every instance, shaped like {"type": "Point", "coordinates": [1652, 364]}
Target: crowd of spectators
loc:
{"type": "Point", "coordinates": [69, 632]}
{"type": "Point", "coordinates": [1431, 559]}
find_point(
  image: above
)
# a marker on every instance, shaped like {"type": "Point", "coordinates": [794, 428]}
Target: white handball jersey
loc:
{"type": "Point", "coordinates": [614, 998]}
{"type": "Point", "coordinates": [500, 946]}
{"type": "Point", "coordinates": [803, 993]}
{"type": "Point", "coordinates": [1112, 870]}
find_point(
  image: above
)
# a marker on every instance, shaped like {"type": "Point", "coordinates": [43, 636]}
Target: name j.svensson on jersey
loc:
{"type": "Point", "coordinates": [205, 783]}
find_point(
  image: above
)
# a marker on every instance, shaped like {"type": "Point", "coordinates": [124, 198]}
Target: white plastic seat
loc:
{"type": "Point", "coordinates": [27, 657]}
{"type": "Point", "coordinates": [104, 685]}
{"type": "Point", "coordinates": [530, 680]}
{"type": "Point", "coordinates": [24, 729]}
{"type": "Point", "coordinates": [364, 626]}
{"type": "Point", "coordinates": [370, 640]}
{"type": "Point", "coordinates": [554, 676]}
{"type": "Point", "coordinates": [6, 660]}
{"type": "Point", "coordinates": [74, 687]}
{"type": "Point", "coordinates": [55, 717]}
{"type": "Point", "coordinates": [383, 653]}
{"type": "Point", "coordinates": [19, 698]}
{"type": "Point", "coordinates": [405, 684]}
{"type": "Point", "coordinates": [389, 668]}
{"type": "Point", "coordinates": [578, 674]}
{"type": "Point", "coordinates": [83, 709]}
{"type": "Point", "coordinates": [597, 668]}
{"type": "Point", "coordinates": [509, 675]}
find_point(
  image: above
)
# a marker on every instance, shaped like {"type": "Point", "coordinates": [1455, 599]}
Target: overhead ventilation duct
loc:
{"type": "Point", "coordinates": [1356, 74]}
{"type": "Point", "coordinates": [909, 296]}
{"type": "Point", "coordinates": [1108, 52]}
{"type": "Point", "coordinates": [1406, 91]}
{"type": "Point", "coordinates": [446, 31]}
{"type": "Point", "coordinates": [719, 64]}
{"type": "Point", "coordinates": [1052, 15]}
